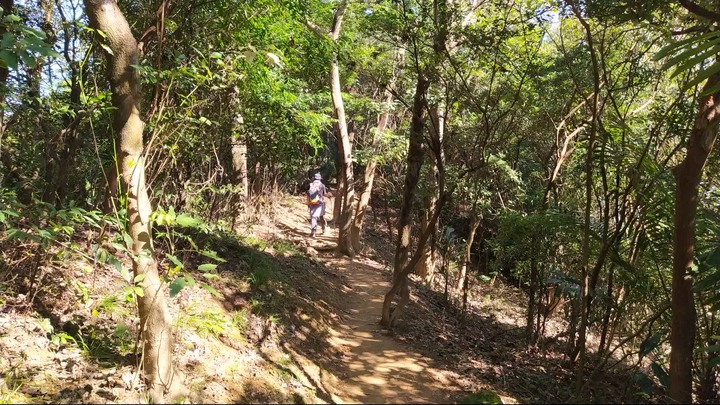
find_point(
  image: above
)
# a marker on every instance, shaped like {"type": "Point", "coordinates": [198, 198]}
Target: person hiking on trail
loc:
{"type": "Point", "coordinates": [316, 203]}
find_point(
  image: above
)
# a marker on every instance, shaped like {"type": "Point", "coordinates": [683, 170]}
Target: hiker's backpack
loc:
{"type": "Point", "coordinates": [314, 197]}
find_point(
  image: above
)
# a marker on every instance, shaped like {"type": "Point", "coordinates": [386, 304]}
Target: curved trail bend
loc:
{"type": "Point", "coordinates": [374, 368]}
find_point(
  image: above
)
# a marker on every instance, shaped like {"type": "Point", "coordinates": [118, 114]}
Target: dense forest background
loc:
{"type": "Point", "coordinates": [561, 147]}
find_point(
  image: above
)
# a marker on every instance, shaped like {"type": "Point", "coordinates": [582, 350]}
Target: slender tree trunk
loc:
{"type": "Point", "coordinates": [52, 145]}
{"type": "Point", "coordinates": [344, 221]}
{"type": "Point", "coordinates": [382, 124]}
{"type": "Point", "coordinates": [163, 381]}
{"type": "Point", "coordinates": [474, 225]}
{"type": "Point", "coordinates": [69, 136]}
{"type": "Point", "coordinates": [687, 180]}
{"type": "Point", "coordinates": [339, 174]}
{"type": "Point", "coordinates": [533, 294]}
{"type": "Point", "coordinates": [238, 149]}
{"type": "Point", "coordinates": [239, 158]}
{"type": "Point", "coordinates": [345, 243]}
{"type": "Point", "coordinates": [426, 266]}
{"type": "Point", "coordinates": [7, 6]}
{"type": "Point", "coordinates": [608, 310]}
{"type": "Point", "coordinates": [585, 286]}
{"type": "Point", "coordinates": [415, 157]}
{"type": "Point", "coordinates": [364, 199]}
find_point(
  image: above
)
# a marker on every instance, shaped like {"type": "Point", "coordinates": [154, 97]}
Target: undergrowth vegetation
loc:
{"type": "Point", "coordinates": [84, 304]}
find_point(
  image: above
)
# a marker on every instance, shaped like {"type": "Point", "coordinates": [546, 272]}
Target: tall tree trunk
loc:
{"type": "Point", "coordinates": [163, 381]}
{"type": "Point", "coordinates": [608, 310]}
{"type": "Point", "coordinates": [370, 167]}
{"type": "Point", "coordinates": [425, 268]}
{"type": "Point", "coordinates": [238, 149]}
{"type": "Point", "coordinates": [7, 6]}
{"type": "Point", "coordinates": [382, 124]}
{"type": "Point", "coordinates": [339, 175]}
{"type": "Point", "coordinates": [239, 160]}
{"type": "Point", "coordinates": [687, 179]}
{"type": "Point", "coordinates": [364, 199]}
{"type": "Point", "coordinates": [585, 286]}
{"type": "Point", "coordinates": [69, 135]}
{"type": "Point", "coordinates": [415, 157]}
{"type": "Point", "coordinates": [52, 148]}
{"type": "Point", "coordinates": [344, 222]}
{"type": "Point", "coordinates": [474, 225]}
{"type": "Point", "coordinates": [345, 243]}
{"type": "Point", "coordinates": [534, 295]}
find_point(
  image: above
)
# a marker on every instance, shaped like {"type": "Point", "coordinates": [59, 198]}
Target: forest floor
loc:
{"type": "Point", "coordinates": [292, 322]}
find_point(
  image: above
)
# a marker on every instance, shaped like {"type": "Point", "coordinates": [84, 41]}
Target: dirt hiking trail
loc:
{"type": "Point", "coordinates": [373, 367]}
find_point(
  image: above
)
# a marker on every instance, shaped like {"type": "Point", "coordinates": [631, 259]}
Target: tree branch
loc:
{"type": "Point", "coordinates": [314, 28]}
{"type": "Point", "coordinates": [337, 21]}
{"type": "Point", "coordinates": [699, 10]}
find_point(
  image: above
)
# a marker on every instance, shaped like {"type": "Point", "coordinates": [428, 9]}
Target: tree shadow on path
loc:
{"type": "Point", "coordinates": [369, 364]}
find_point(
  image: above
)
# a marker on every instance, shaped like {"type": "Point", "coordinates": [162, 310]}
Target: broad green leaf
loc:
{"type": "Point", "coordinates": [120, 268]}
{"type": "Point", "coordinates": [190, 280]}
{"type": "Point", "coordinates": [128, 240]}
{"type": "Point", "coordinates": [207, 267]}
{"type": "Point", "coordinates": [703, 75]}
{"type": "Point", "coordinates": [713, 258]}
{"type": "Point", "coordinates": [652, 342]}
{"type": "Point", "coordinates": [11, 18]}
{"type": "Point", "coordinates": [177, 285]}
{"type": "Point", "coordinates": [50, 52]}
{"type": "Point", "coordinates": [646, 385]}
{"type": "Point", "coordinates": [210, 289]}
{"type": "Point", "coordinates": [107, 48]}
{"type": "Point", "coordinates": [215, 55]}
{"type": "Point", "coordinates": [12, 213]}
{"type": "Point", "coordinates": [708, 282]}
{"type": "Point", "coordinates": [668, 49]}
{"type": "Point", "coordinates": [212, 255]}
{"type": "Point", "coordinates": [249, 55]}
{"type": "Point", "coordinates": [9, 59]}
{"type": "Point", "coordinates": [661, 374]}
{"type": "Point", "coordinates": [187, 220]}
{"type": "Point", "coordinates": [175, 261]}
{"type": "Point", "coordinates": [689, 63]}
{"type": "Point", "coordinates": [711, 349]}
{"type": "Point", "coordinates": [119, 246]}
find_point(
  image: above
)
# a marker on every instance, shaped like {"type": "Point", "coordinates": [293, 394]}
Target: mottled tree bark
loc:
{"type": "Point", "coordinates": [163, 382]}
{"type": "Point", "coordinates": [687, 180]}
{"type": "Point", "coordinates": [344, 220]}
{"type": "Point", "coordinates": [415, 157]}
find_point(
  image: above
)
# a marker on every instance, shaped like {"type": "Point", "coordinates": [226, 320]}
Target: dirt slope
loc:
{"type": "Point", "coordinates": [374, 368]}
